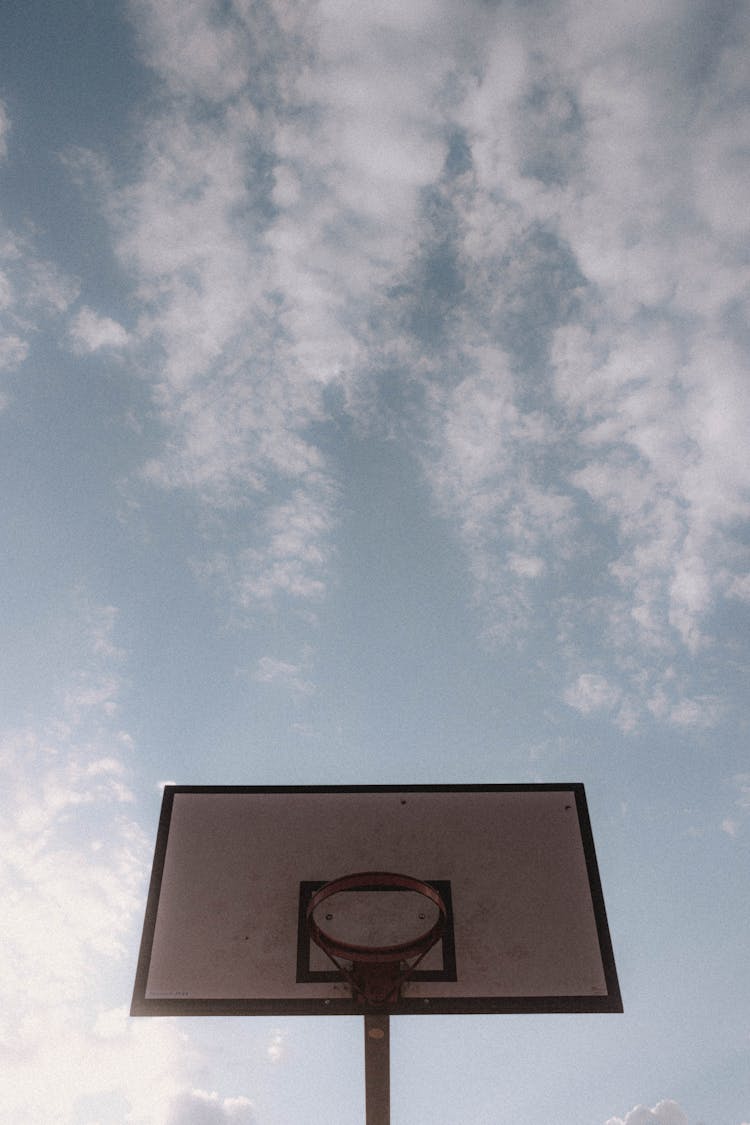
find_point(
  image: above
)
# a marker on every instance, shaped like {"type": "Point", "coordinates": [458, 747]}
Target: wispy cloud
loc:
{"type": "Point", "coordinates": [733, 824]}
{"type": "Point", "coordinates": [263, 222]}
{"type": "Point", "coordinates": [74, 864]}
{"type": "Point", "coordinates": [618, 389]}
{"type": "Point", "coordinates": [484, 466]}
{"type": "Point", "coordinates": [32, 289]}
{"type": "Point", "coordinates": [83, 887]}
{"type": "Point", "coordinates": [529, 228]}
{"type": "Point", "coordinates": [591, 692]}
{"type": "Point", "coordinates": [269, 670]}
{"type": "Point", "coordinates": [4, 130]}
{"type": "Point", "coordinates": [72, 879]}
{"type": "Point", "coordinates": [276, 1046]}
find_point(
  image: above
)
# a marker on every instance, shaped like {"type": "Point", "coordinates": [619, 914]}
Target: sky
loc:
{"type": "Point", "coordinates": [374, 409]}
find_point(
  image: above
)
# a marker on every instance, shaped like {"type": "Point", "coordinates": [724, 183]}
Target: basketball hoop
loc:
{"type": "Point", "coordinates": [376, 970]}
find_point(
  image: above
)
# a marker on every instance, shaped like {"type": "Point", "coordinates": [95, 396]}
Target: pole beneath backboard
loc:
{"type": "Point", "coordinates": [377, 1070]}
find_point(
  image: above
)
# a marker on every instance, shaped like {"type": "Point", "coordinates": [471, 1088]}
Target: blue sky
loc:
{"type": "Point", "coordinates": [374, 408]}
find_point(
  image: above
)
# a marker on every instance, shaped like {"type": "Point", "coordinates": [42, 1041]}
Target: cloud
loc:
{"type": "Point", "coordinates": [74, 864]}
{"type": "Point", "coordinates": [272, 671]}
{"type": "Point", "coordinates": [192, 50]}
{"type": "Point", "coordinates": [733, 825]}
{"type": "Point", "coordinates": [81, 1067]}
{"type": "Point", "coordinates": [605, 287]}
{"type": "Point", "coordinates": [739, 587]}
{"type": "Point", "coordinates": [74, 861]}
{"type": "Point", "coordinates": [667, 464]}
{"type": "Point", "coordinates": [197, 1107]}
{"type": "Point", "coordinates": [591, 692]}
{"type": "Point", "coordinates": [288, 558]}
{"type": "Point", "coordinates": [526, 566]}
{"type": "Point", "coordinates": [259, 233]}
{"type": "Point", "coordinates": [663, 1113]}
{"type": "Point", "coordinates": [90, 332]}
{"type": "Point", "coordinates": [276, 1047]}
{"type": "Point", "coordinates": [660, 400]}
{"type": "Point", "coordinates": [4, 130]}
{"type": "Point", "coordinates": [480, 463]}
{"type": "Point", "coordinates": [742, 782]}
{"type": "Point", "coordinates": [526, 231]}
{"type": "Point", "coordinates": [13, 351]}
{"type": "Point", "coordinates": [73, 879]}
{"type": "Point", "coordinates": [32, 289]}
{"type": "Point", "coordinates": [701, 712]}
{"type": "Point", "coordinates": [47, 288]}
{"type": "Point", "coordinates": [56, 1064]}
{"type": "Point", "coordinates": [236, 401]}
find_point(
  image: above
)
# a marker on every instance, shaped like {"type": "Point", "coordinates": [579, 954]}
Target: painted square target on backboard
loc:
{"type": "Point", "coordinates": [225, 930]}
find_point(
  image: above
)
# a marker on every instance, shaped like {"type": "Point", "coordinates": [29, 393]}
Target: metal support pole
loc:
{"type": "Point", "coordinates": [378, 1070]}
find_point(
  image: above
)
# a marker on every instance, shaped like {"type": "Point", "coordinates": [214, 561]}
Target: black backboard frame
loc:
{"type": "Point", "coordinates": [143, 1005]}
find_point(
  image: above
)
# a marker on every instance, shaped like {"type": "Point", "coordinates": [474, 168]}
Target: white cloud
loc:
{"type": "Point", "coordinates": [481, 468]}
{"type": "Point", "coordinates": [664, 1113]}
{"type": "Point", "coordinates": [237, 402]}
{"type": "Point", "coordinates": [643, 426]}
{"type": "Point", "coordinates": [666, 462]}
{"type": "Point", "coordinates": [90, 332]}
{"type": "Point", "coordinates": [31, 288]}
{"type": "Point", "coordinates": [290, 559]}
{"type": "Point", "coordinates": [739, 587]}
{"type": "Point", "coordinates": [591, 692]}
{"type": "Point", "coordinates": [66, 874]}
{"type": "Point", "coordinates": [73, 872]}
{"type": "Point", "coordinates": [733, 824]}
{"type": "Point", "coordinates": [47, 288]}
{"type": "Point", "coordinates": [587, 402]}
{"type": "Point", "coordinates": [701, 712]}
{"type": "Point", "coordinates": [55, 1062]}
{"type": "Point", "coordinates": [377, 141]}
{"type": "Point", "coordinates": [526, 566]}
{"type": "Point", "coordinates": [4, 130]}
{"type": "Point", "coordinates": [13, 351]}
{"type": "Point", "coordinates": [663, 402]}
{"type": "Point", "coordinates": [742, 782]}
{"type": "Point", "coordinates": [269, 670]}
{"type": "Point", "coordinates": [276, 1047]}
{"type": "Point", "coordinates": [670, 701]}
{"type": "Point", "coordinates": [72, 875]}
{"type": "Point", "coordinates": [198, 1107]}
{"type": "Point", "coordinates": [190, 48]}
{"type": "Point", "coordinates": [256, 294]}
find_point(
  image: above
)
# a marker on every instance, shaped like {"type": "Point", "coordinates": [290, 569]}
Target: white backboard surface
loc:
{"type": "Point", "coordinates": [234, 868]}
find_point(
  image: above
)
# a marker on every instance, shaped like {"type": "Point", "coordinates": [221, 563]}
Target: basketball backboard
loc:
{"type": "Point", "coordinates": [513, 866]}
